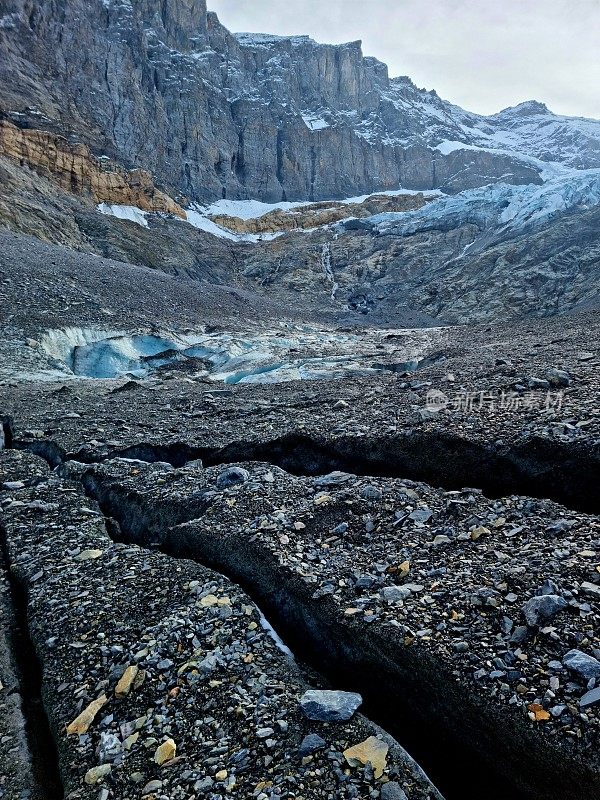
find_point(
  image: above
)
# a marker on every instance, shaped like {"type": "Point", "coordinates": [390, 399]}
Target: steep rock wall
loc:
{"type": "Point", "coordinates": [75, 170]}
{"type": "Point", "coordinates": [165, 87]}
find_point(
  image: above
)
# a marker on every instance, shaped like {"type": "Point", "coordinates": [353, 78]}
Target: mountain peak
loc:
{"type": "Point", "coordinates": [525, 109]}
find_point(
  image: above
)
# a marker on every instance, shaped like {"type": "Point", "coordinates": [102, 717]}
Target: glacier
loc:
{"type": "Point", "coordinates": [503, 206]}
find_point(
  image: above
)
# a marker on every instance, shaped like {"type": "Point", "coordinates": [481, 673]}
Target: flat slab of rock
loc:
{"type": "Point", "coordinates": [329, 706]}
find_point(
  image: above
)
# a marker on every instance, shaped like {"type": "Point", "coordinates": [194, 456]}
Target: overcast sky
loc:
{"type": "Point", "coordinates": [484, 55]}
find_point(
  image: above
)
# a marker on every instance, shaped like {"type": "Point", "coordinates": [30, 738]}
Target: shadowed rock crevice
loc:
{"type": "Point", "coordinates": [429, 714]}
{"type": "Point", "coordinates": [6, 432]}
{"type": "Point", "coordinates": [568, 473]}
{"type": "Point", "coordinates": [42, 754]}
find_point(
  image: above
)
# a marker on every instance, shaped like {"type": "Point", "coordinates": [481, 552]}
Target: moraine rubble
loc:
{"type": "Point", "coordinates": [343, 513]}
{"type": "Point", "coordinates": [159, 679]}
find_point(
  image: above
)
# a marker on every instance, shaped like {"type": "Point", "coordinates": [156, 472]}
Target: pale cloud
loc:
{"type": "Point", "coordinates": [484, 55]}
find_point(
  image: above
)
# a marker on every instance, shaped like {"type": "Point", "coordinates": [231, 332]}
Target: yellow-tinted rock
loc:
{"type": "Point", "coordinates": [126, 682]}
{"type": "Point", "coordinates": [87, 716]}
{"type": "Point", "coordinates": [372, 750]}
{"type": "Point", "coordinates": [97, 774]}
{"type": "Point", "coordinates": [166, 752]}
{"type": "Point", "coordinates": [89, 555]}
{"type": "Point", "coordinates": [209, 600]}
{"type": "Point", "coordinates": [76, 170]}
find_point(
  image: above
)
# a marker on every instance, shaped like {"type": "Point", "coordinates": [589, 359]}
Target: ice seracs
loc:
{"type": "Point", "coordinates": [499, 205]}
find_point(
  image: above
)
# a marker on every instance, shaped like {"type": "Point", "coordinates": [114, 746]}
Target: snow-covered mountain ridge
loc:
{"type": "Point", "coordinates": [528, 129]}
{"type": "Point", "coordinates": [407, 116]}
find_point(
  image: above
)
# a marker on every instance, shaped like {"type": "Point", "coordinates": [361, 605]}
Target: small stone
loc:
{"type": "Point", "coordinates": [82, 723]}
{"type": "Point", "coordinates": [126, 682]}
{"type": "Point", "coordinates": [395, 594]}
{"type": "Point", "coordinates": [519, 635]}
{"type": "Point", "coordinates": [131, 740]}
{"type": "Point", "coordinates": [89, 555]}
{"type": "Point", "coordinates": [97, 774]}
{"type": "Point", "coordinates": [12, 485]}
{"type": "Point", "coordinates": [440, 540]}
{"type": "Point", "coordinates": [538, 713]}
{"type": "Point", "coordinates": [231, 476]}
{"type": "Point", "coordinates": [372, 751]}
{"type": "Point", "coordinates": [152, 786]}
{"type": "Point", "coordinates": [221, 775]}
{"type": "Point", "coordinates": [166, 752]}
{"type": "Point", "coordinates": [209, 600]}
{"type": "Point", "coordinates": [311, 744]}
{"type": "Point", "coordinates": [558, 377]}
{"type": "Point", "coordinates": [590, 699]}
{"type": "Point", "coordinates": [421, 515]}
{"type": "Point", "coordinates": [335, 478]}
{"type": "Point", "coordinates": [538, 383]}
{"type": "Point", "coordinates": [591, 589]}
{"type": "Point", "coordinates": [370, 493]}
{"type": "Point", "coordinates": [109, 747]}
{"type": "Point", "coordinates": [392, 791]}
{"type": "Point", "coordinates": [541, 609]}
{"type": "Point", "coordinates": [324, 705]}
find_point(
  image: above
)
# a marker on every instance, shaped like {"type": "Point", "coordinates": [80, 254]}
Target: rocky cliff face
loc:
{"type": "Point", "coordinates": [108, 99]}
{"type": "Point", "coordinates": [75, 170]}
{"type": "Point", "coordinates": [166, 87]}
{"type": "Point", "coordinates": [484, 254]}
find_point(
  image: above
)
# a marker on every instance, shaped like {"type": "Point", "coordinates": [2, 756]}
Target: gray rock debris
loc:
{"type": "Point", "coordinates": [461, 604]}
{"type": "Point", "coordinates": [330, 706]}
{"type": "Point", "coordinates": [130, 630]}
{"type": "Point", "coordinates": [231, 476]}
{"type": "Point", "coordinates": [542, 609]}
{"type": "Point", "coordinates": [586, 666]}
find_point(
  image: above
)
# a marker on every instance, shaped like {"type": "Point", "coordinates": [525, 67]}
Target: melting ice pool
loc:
{"type": "Point", "coordinates": [274, 357]}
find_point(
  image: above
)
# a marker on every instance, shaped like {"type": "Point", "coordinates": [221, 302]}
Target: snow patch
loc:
{"type": "Point", "coordinates": [314, 122]}
{"type": "Point", "coordinates": [131, 213]}
{"type": "Point", "coordinates": [248, 209]}
{"type": "Point", "coordinates": [446, 147]}
{"type": "Point", "coordinates": [198, 217]}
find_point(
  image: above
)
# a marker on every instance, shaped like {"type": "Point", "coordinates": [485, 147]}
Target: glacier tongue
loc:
{"type": "Point", "coordinates": [499, 205]}
{"type": "Point", "coordinates": [300, 353]}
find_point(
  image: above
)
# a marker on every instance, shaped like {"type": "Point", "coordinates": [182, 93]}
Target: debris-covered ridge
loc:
{"type": "Point", "coordinates": [485, 608]}
{"type": "Point", "coordinates": [161, 678]}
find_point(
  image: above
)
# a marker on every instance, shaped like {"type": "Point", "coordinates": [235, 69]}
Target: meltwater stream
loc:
{"type": "Point", "coordinates": [300, 353]}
